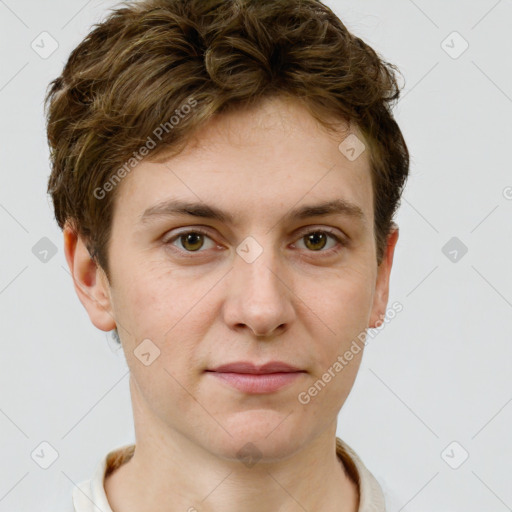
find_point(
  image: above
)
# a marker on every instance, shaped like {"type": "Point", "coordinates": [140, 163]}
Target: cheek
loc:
{"type": "Point", "coordinates": [173, 312]}
{"type": "Point", "coordinates": [147, 296]}
{"type": "Point", "coordinates": [156, 309]}
{"type": "Point", "coordinates": [342, 313]}
{"type": "Point", "coordinates": [342, 308]}
{"type": "Point", "coordinates": [343, 301]}
{"type": "Point", "coordinates": [165, 394]}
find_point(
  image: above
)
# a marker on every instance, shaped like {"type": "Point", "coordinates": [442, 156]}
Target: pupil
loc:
{"type": "Point", "coordinates": [315, 236]}
{"type": "Point", "coordinates": [189, 239]}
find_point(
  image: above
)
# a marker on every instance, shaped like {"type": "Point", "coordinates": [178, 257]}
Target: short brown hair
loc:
{"type": "Point", "coordinates": [140, 67]}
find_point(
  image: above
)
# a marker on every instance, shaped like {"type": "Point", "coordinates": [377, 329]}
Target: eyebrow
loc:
{"type": "Point", "coordinates": [174, 207]}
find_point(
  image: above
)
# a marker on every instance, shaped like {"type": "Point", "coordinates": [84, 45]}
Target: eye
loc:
{"type": "Point", "coordinates": [190, 241]}
{"type": "Point", "coordinates": [317, 239]}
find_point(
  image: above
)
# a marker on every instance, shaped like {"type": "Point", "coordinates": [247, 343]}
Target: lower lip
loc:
{"type": "Point", "coordinates": [258, 383]}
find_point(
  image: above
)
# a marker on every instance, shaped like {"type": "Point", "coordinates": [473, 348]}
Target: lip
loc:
{"type": "Point", "coordinates": [250, 378]}
{"type": "Point", "coordinates": [251, 368]}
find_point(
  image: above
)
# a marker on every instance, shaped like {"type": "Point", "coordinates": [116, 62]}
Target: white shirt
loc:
{"type": "Point", "coordinates": [89, 495]}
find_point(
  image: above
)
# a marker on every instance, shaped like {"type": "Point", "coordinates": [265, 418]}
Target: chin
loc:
{"type": "Point", "coordinates": [263, 435]}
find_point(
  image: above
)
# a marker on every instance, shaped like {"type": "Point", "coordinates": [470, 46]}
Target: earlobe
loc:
{"type": "Point", "coordinates": [90, 282]}
{"type": "Point", "coordinates": [380, 299]}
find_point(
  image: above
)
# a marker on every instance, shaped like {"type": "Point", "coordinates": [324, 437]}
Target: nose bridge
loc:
{"type": "Point", "coordinates": [259, 266]}
{"type": "Point", "coordinates": [261, 298]}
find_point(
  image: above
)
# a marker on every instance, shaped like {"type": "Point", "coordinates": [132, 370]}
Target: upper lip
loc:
{"type": "Point", "coordinates": [248, 367]}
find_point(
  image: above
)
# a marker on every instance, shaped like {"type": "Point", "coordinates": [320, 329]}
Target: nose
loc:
{"type": "Point", "coordinates": [259, 297]}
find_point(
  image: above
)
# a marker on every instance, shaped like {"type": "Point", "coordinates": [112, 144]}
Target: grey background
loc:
{"type": "Point", "coordinates": [438, 373]}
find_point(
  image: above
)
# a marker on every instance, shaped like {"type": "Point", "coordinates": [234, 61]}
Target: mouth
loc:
{"type": "Point", "coordinates": [257, 379]}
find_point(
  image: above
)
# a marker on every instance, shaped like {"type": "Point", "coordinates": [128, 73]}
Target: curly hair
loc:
{"type": "Point", "coordinates": [152, 61]}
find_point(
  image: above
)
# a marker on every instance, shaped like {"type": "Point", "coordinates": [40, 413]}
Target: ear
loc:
{"type": "Point", "coordinates": [90, 281]}
{"type": "Point", "coordinates": [380, 298]}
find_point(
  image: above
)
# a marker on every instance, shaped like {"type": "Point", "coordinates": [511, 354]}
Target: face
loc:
{"type": "Point", "coordinates": [246, 278]}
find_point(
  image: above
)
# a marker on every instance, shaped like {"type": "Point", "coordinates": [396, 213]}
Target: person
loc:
{"type": "Point", "coordinates": [226, 174]}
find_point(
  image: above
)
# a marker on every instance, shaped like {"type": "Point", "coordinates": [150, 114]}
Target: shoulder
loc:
{"type": "Point", "coordinates": [371, 497]}
{"type": "Point", "coordinates": [89, 495]}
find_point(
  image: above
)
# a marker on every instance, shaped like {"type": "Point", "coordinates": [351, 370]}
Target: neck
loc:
{"type": "Point", "coordinates": [169, 472]}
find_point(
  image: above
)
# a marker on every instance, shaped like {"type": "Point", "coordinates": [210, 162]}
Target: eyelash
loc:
{"type": "Point", "coordinates": [342, 243]}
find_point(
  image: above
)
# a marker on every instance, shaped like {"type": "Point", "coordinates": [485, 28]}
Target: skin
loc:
{"type": "Point", "coordinates": [295, 303]}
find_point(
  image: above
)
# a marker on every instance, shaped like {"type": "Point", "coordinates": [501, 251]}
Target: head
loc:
{"type": "Point", "coordinates": [247, 109]}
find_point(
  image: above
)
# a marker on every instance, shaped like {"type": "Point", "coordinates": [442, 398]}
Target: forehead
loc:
{"type": "Point", "coordinates": [273, 156]}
